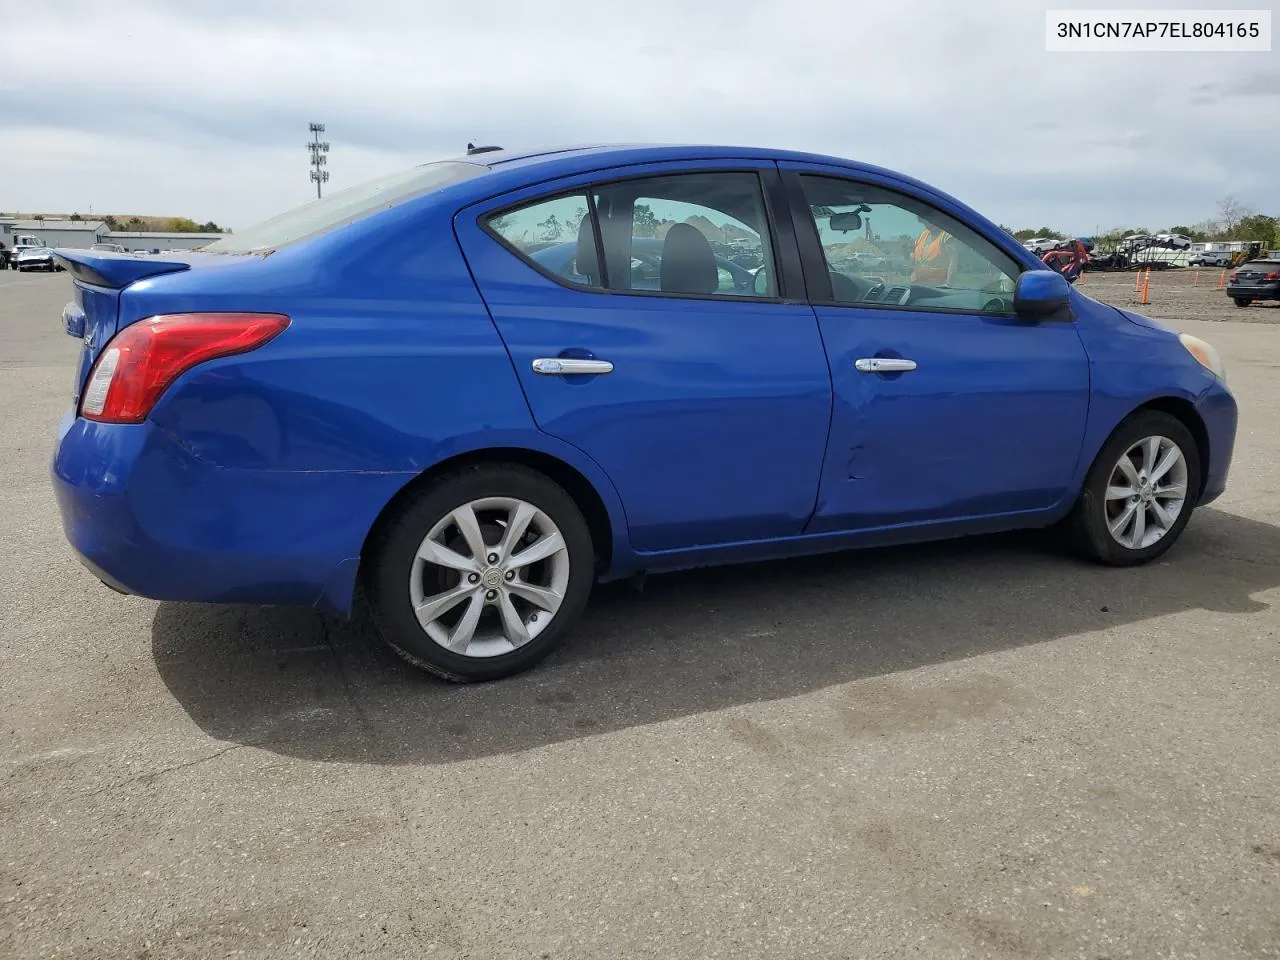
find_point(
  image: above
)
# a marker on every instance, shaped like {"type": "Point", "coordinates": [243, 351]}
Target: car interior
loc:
{"type": "Point", "coordinates": [880, 249]}
{"type": "Point", "coordinates": [634, 212]}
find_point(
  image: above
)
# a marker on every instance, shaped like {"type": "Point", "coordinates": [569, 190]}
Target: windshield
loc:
{"type": "Point", "coordinates": [345, 206]}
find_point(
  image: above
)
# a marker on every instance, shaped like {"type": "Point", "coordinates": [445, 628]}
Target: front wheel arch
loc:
{"type": "Point", "coordinates": [1185, 412]}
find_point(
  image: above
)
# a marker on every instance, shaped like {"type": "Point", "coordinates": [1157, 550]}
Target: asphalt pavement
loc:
{"type": "Point", "coordinates": [983, 748]}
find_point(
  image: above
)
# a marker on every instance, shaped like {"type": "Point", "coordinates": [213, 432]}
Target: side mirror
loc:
{"type": "Point", "coordinates": [1040, 293]}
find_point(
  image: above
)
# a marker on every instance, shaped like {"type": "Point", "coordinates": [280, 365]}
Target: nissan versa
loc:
{"type": "Point", "coordinates": [479, 386]}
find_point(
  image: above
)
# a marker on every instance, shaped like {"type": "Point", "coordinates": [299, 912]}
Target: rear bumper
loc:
{"type": "Point", "coordinates": [1218, 410]}
{"type": "Point", "coordinates": [148, 518]}
{"type": "Point", "coordinates": [1255, 291]}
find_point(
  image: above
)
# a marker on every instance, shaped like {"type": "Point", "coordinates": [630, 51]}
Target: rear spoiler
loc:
{"type": "Point", "coordinates": [101, 268]}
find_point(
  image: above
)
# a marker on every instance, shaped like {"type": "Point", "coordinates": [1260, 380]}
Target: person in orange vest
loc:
{"type": "Point", "coordinates": [934, 257]}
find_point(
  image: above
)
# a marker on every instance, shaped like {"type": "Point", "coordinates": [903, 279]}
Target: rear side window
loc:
{"type": "Point", "coordinates": [695, 234]}
{"type": "Point", "coordinates": [689, 234]}
{"type": "Point", "coordinates": [345, 206]}
{"type": "Point", "coordinates": [557, 236]}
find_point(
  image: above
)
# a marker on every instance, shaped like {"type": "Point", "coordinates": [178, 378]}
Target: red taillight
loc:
{"type": "Point", "coordinates": [1271, 276]}
{"type": "Point", "coordinates": [145, 357]}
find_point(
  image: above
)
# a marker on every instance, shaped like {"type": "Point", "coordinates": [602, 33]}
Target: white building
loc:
{"type": "Point", "coordinates": [85, 233]}
{"type": "Point", "coordinates": [55, 233]}
{"type": "Point", "coordinates": [153, 242]}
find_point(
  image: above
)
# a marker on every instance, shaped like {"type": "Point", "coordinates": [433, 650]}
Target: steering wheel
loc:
{"type": "Point", "coordinates": [760, 282]}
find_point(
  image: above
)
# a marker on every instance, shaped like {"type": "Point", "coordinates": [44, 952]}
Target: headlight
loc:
{"type": "Point", "coordinates": [1205, 353]}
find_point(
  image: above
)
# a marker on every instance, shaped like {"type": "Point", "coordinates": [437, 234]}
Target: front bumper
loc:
{"type": "Point", "coordinates": [1219, 413]}
{"type": "Point", "coordinates": [1255, 291]}
{"type": "Point", "coordinates": [149, 518]}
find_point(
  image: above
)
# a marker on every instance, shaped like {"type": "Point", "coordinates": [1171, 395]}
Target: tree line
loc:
{"type": "Point", "coordinates": [160, 225]}
{"type": "Point", "coordinates": [142, 224]}
{"type": "Point", "coordinates": [1235, 221]}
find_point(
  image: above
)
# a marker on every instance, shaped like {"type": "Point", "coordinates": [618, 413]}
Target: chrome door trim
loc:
{"type": "Point", "coordinates": [568, 367]}
{"type": "Point", "coordinates": [884, 365]}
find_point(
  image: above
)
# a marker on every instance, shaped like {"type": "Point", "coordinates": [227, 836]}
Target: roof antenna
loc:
{"type": "Point", "coordinates": [473, 149]}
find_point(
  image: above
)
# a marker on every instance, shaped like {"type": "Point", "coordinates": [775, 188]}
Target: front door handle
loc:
{"type": "Point", "coordinates": [569, 366]}
{"type": "Point", "coordinates": [884, 365]}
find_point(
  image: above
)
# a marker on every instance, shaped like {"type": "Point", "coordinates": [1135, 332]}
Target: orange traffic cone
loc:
{"type": "Point", "coordinates": [1222, 280]}
{"type": "Point", "coordinates": [1146, 288]}
{"type": "Point", "coordinates": [1137, 281]}
{"type": "Point", "coordinates": [1196, 280]}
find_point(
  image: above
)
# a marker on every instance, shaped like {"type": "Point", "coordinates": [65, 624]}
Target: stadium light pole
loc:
{"type": "Point", "coordinates": [319, 148]}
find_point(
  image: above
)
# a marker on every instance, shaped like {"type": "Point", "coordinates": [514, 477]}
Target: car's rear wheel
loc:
{"type": "Point", "coordinates": [1139, 493]}
{"type": "Point", "coordinates": [1242, 301]}
{"type": "Point", "coordinates": [481, 574]}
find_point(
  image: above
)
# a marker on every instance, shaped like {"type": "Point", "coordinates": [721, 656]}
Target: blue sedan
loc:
{"type": "Point", "coordinates": [480, 386]}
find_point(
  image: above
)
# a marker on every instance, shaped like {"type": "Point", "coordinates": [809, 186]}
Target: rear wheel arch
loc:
{"type": "Point", "coordinates": [566, 476]}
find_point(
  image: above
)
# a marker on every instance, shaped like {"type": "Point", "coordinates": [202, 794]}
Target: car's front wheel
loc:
{"type": "Point", "coordinates": [481, 574]}
{"type": "Point", "coordinates": [1139, 493]}
{"type": "Point", "coordinates": [1242, 301]}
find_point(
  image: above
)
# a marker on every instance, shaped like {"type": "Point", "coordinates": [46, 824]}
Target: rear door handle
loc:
{"type": "Point", "coordinates": [884, 365]}
{"type": "Point", "coordinates": [568, 366]}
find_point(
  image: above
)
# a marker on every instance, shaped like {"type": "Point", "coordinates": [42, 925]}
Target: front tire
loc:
{"type": "Point", "coordinates": [1242, 301]}
{"type": "Point", "coordinates": [1138, 495]}
{"type": "Point", "coordinates": [481, 574]}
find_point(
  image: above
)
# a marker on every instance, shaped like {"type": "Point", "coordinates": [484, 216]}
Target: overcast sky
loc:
{"type": "Point", "coordinates": [201, 109]}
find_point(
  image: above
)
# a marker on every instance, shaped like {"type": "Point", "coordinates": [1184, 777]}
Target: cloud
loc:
{"type": "Point", "coordinates": [202, 109]}
{"type": "Point", "coordinates": [1264, 83]}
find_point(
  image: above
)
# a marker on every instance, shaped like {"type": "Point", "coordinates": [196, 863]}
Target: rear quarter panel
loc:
{"type": "Point", "coordinates": [390, 358]}
{"type": "Point", "coordinates": [390, 365]}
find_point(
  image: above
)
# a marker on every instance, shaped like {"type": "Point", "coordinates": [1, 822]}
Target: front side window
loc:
{"type": "Point", "coordinates": [885, 249]}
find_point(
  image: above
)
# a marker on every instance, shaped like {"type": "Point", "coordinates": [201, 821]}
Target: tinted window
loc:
{"type": "Point", "coordinates": [884, 249]}
{"type": "Point", "coordinates": [556, 235]}
{"type": "Point", "coordinates": [345, 206]}
{"type": "Point", "coordinates": [700, 234]}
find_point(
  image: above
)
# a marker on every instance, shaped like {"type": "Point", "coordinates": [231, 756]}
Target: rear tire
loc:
{"type": "Point", "coordinates": [1242, 301]}
{"type": "Point", "coordinates": [1106, 527]}
{"type": "Point", "coordinates": [469, 614]}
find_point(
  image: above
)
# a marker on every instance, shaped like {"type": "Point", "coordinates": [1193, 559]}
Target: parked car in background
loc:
{"type": "Point", "coordinates": [36, 258]}
{"type": "Point", "coordinates": [108, 247]}
{"type": "Point", "coordinates": [1255, 280]}
{"type": "Point", "coordinates": [23, 242]}
{"type": "Point", "coordinates": [1207, 259]}
{"type": "Point", "coordinates": [400, 386]}
{"type": "Point", "coordinates": [1041, 245]}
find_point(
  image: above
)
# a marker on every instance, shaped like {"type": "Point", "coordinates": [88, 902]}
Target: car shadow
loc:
{"type": "Point", "coordinates": [304, 685]}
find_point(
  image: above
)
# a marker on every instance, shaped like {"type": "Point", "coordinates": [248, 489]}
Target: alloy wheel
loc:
{"type": "Point", "coordinates": [489, 577]}
{"type": "Point", "coordinates": [1146, 493]}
